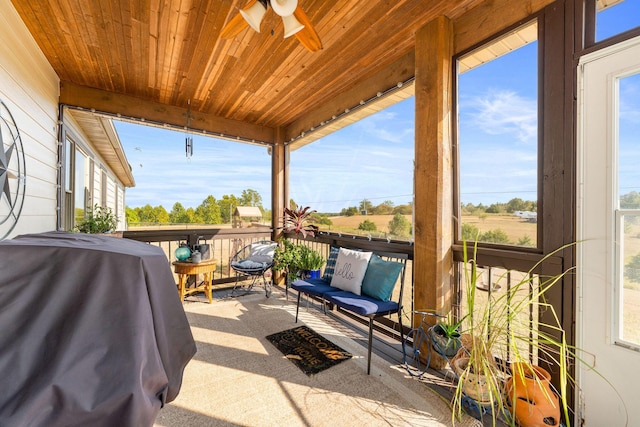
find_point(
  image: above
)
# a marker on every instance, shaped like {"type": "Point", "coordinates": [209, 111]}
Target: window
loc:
{"type": "Point", "coordinates": [628, 212]}
{"type": "Point", "coordinates": [78, 188]}
{"type": "Point", "coordinates": [360, 178]}
{"type": "Point", "coordinates": [616, 16]}
{"type": "Point", "coordinates": [103, 188]}
{"type": "Point", "coordinates": [497, 134]}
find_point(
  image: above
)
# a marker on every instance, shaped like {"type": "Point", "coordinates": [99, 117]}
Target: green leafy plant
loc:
{"type": "Point", "coordinates": [310, 259]}
{"type": "Point", "coordinates": [98, 220]}
{"type": "Point", "coordinates": [447, 336]}
{"type": "Point", "coordinates": [287, 258]}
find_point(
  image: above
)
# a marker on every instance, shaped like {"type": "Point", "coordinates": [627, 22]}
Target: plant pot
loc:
{"type": "Point", "coordinates": [447, 346]}
{"type": "Point", "coordinates": [473, 385]}
{"type": "Point", "coordinates": [310, 274]}
{"type": "Point", "coordinates": [314, 274]}
{"type": "Point", "coordinates": [530, 398]}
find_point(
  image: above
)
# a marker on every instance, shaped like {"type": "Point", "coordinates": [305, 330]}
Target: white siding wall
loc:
{"type": "Point", "coordinates": [30, 89]}
{"type": "Point", "coordinates": [98, 167]}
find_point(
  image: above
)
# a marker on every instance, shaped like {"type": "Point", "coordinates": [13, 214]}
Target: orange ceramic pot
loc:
{"type": "Point", "coordinates": [530, 398]}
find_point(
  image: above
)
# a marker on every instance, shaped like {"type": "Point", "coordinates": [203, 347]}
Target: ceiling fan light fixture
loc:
{"type": "Point", "coordinates": [291, 25]}
{"type": "Point", "coordinates": [254, 14]}
{"type": "Point", "coordinates": [284, 7]}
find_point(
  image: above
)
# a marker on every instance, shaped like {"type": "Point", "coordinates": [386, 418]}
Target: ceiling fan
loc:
{"type": "Point", "coordinates": [296, 23]}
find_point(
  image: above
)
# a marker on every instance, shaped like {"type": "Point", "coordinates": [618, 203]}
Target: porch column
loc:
{"type": "Point", "coordinates": [433, 263]}
{"type": "Point", "coordinates": [279, 185]}
{"type": "Point", "coordinates": [279, 181]}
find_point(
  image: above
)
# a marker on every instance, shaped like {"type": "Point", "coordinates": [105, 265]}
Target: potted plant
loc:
{"type": "Point", "coordinates": [445, 336]}
{"type": "Point", "coordinates": [310, 263]}
{"type": "Point", "coordinates": [299, 220]}
{"type": "Point", "coordinates": [491, 331]}
{"type": "Point", "coordinates": [287, 258]}
{"type": "Point", "coordinates": [98, 220]}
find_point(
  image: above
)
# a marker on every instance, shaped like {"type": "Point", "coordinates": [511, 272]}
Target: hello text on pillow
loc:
{"type": "Point", "coordinates": [350, 269]}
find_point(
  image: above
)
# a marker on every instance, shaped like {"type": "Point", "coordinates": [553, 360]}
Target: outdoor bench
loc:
{"type": "Point", "coordinates": [359, 282]}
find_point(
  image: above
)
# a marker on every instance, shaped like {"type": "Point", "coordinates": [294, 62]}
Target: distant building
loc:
{"type": "Point", "coordinates": [246, 216]}
{"type": "Point", "coordinates": [528, 215]}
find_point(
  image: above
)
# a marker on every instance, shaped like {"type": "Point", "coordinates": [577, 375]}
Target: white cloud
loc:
{"type": "Point", "coordinates": [502, 112]}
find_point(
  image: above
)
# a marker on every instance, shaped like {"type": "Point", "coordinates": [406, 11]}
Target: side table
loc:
{"type": "Point", "coordinates": [185, 269]}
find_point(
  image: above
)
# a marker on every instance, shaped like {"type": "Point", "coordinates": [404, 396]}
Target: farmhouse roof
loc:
{"type": "Point", "coordinates": [248, 211]}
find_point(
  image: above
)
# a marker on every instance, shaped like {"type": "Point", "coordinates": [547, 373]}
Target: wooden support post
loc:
{"type": "Point", "coordinates": [433, 262]}
{"type": "Point", "coordinates": [279, 184]}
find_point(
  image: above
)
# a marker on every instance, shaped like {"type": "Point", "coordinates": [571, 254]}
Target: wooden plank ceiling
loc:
{"type": "Point", "coordinates": [150, 58]}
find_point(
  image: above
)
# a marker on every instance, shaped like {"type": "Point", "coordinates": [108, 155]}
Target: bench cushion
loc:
{"type": "Point", "coordinates": [250, 265]}
{"type": "Point", "coordinates": [360, 304]}
{"type": "Point", "coordinates": [315, 287]}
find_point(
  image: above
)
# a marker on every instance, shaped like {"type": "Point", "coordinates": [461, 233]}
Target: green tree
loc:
{"type": "Point", "coordinates": [132, 215]}
{"type": "Point", "coordinates": [161, 215]}
{"type": "Point", "coordinates": [178, 214]}
{"type": "Point", "coordinates": [403, 209]}
{"type": "Point", "coordinates": [321, 219]}
{"type": "Point", "coordinates": [227, 205]}
{"type": "Point", "coordinates": [630, 200]}
{"type": "Point", "coordinates": [250, 197]}
{"type": "Point", "coordinates": [495, 236]}
{"type": "Point", "coordinates": [384, 208]}
{"type": "Point", "coordinates": [367, 225]}
{"type": "Point", "coordinates": [146, 214]}
{"type": "Point", "coordinates": [400, 226]}
{"type": "Point", "coordinates": [193, 217]}
{"type": "Point", "coordinates": [516, 204]}
{"type": "Point", "coordinates": [350, 211]}
{"type": "Point", "coordinates": [366, 206]}
{"type": "Point", "coordinates": [496, 208]}
{"type": "Point", "coordinates": [470, 232]}
{"type": "Point", "coordinates": [209, 212]}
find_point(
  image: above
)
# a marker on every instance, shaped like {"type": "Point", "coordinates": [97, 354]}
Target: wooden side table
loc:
{"type": "Point", "coordinates": [185, 269]}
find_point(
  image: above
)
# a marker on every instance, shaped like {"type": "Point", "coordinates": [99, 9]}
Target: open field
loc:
{"type": "Point", "coordinates": [350, 223]}
{"type": "Point", "coordinates": [516, 228]}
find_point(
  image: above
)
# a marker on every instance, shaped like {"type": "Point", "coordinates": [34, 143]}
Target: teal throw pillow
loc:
{"type": "Point", "coordinates": [380, 278]}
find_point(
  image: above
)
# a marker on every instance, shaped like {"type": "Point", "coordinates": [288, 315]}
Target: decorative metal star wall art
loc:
{"type": "Point", "coordinates": [12, 172]}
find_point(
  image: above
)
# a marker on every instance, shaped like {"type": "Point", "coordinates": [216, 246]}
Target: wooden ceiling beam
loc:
{"type": "Point", "coordinates": [136, 108]}
{"type": "Point", "coordinates": [400, 70]}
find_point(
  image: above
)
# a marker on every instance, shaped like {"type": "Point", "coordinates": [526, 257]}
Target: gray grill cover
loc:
{"type": "Point", "coordinates": [92, 332]}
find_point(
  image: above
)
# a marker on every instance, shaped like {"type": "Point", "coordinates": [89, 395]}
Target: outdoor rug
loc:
{"type": "Point", "coordinates": [309, 351]}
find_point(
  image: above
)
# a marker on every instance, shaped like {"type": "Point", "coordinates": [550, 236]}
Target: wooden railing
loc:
{"type": "Point", "coordinates": [223, 242]}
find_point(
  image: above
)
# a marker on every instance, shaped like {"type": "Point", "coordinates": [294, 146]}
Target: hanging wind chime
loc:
{"type": "Point", "coordinates": [188, 140]}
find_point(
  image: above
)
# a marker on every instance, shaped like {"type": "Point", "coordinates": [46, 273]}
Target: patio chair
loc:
{"type": "Point", "coordinates": [254, 260]}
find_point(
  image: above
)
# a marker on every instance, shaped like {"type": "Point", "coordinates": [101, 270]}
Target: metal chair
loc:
{"type": "Point", "coordinates": [254, 260]}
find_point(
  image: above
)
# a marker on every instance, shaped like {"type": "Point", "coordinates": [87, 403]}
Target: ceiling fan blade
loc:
{"type": "Point", "coordinates": [307, 36]}
{"type": "Point", "coordinates": [237, 24]}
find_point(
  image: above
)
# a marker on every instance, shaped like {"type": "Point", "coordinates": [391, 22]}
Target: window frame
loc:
{"type": "Point", "coordinates": [538, 248]}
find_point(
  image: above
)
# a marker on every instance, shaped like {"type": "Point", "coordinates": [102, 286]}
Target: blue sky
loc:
{"type": "Point", "coordinates": [372, 158]}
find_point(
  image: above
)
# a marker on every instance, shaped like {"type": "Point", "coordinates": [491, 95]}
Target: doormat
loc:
{"type": "Point", "coordinates": [309, 351]}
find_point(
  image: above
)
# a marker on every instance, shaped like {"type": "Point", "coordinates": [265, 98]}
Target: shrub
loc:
{"type": "Point", "coordinates": [367, 225]}
{"type": "Point", "coordinates": [399, 225]}
{"type": "Point", "coordinates": [99, 220]}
